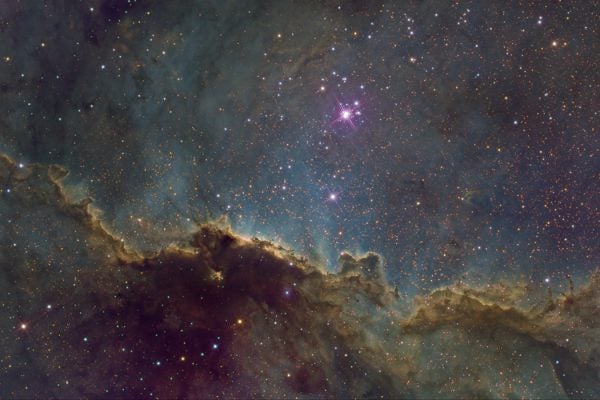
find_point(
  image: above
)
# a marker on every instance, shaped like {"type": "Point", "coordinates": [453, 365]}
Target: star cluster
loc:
{"type": "Point", "coordinates": [417, 145]}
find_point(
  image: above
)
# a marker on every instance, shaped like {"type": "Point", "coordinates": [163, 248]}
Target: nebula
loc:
{"type": "Point", "coordinates": [299, 199]}
{"type": "Point", "coordinates": [220, 315]}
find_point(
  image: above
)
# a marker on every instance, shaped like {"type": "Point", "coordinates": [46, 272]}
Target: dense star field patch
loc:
{"type": "Point", "coordinates": [285, 198]}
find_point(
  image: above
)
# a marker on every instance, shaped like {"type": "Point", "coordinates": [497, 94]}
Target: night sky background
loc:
{"type": "Point", "coordinates": [299, 199]}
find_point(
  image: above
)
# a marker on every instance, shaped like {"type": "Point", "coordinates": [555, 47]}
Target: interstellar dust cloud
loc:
{"type": "Point", "coordinates": [226, 316]}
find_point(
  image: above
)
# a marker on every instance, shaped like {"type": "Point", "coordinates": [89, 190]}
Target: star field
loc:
{"type": "Point", "coordinates": [375, 160]}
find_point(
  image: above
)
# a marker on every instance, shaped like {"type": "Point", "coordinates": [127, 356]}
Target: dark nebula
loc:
{"type": "Point", "coordinates": [225, 316]}
{"type": "Point", "coordinates": [299, 199]}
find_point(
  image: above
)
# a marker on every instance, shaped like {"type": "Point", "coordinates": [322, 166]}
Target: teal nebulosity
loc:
{"type": "Point", "coordinates": [469, 154]}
